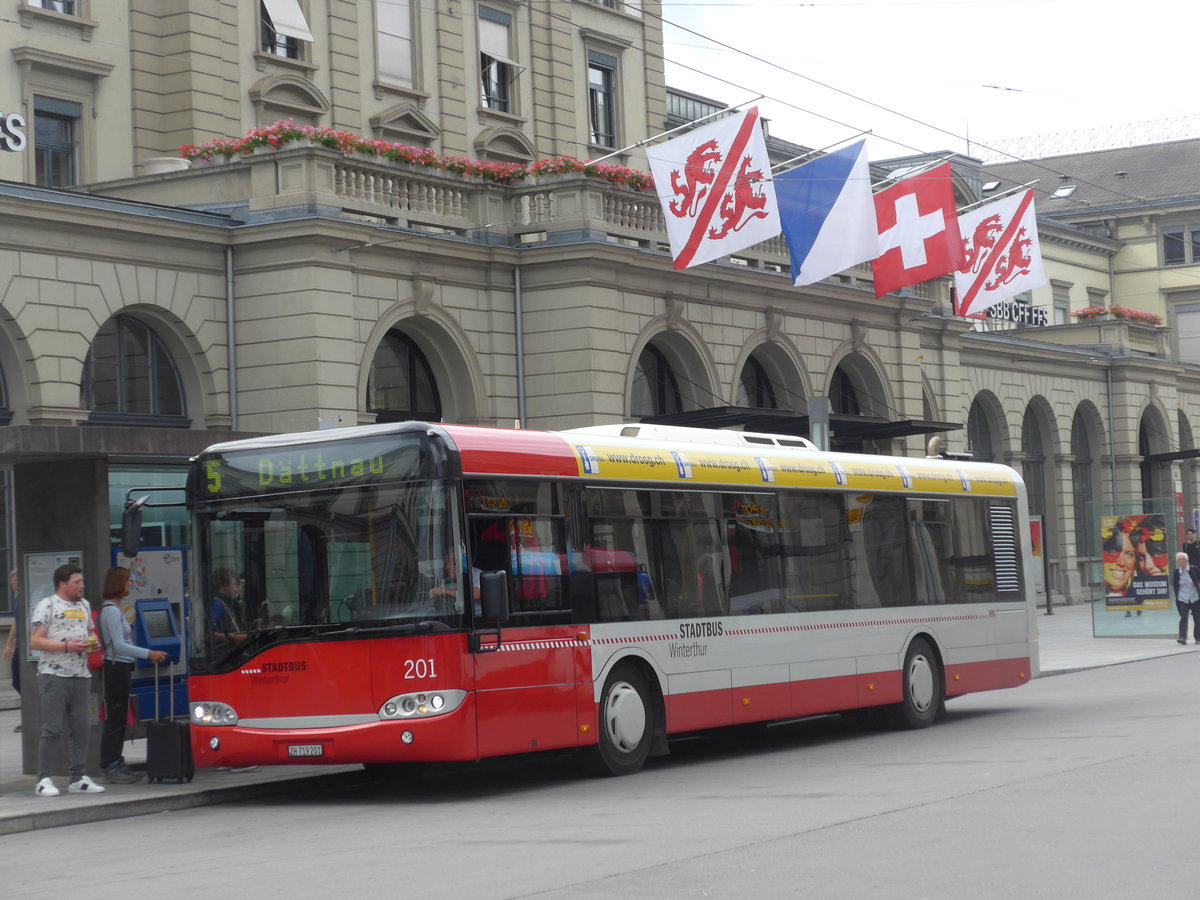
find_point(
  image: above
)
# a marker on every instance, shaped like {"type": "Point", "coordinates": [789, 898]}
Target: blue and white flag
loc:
{"type": "Point", "coordinates": [828, 214]}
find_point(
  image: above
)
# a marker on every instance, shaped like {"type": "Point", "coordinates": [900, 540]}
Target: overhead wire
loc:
{"type": "Point", "coordinates": [857, 98]}
{"type": "Point", "coordinates": [1159, 204]}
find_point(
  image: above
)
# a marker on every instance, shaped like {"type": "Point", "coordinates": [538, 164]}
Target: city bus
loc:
{"type": "Point", "coordinates": [417, 593]}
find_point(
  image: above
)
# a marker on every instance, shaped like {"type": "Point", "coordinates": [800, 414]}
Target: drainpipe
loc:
{"type": "Point", "coordinates": [519, 335]}
{"type": "Point", "coordinates": [231, 340]}
{"type": "Point", "coordinates": [1112, 440]}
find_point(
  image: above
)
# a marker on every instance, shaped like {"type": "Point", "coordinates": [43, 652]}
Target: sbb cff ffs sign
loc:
{"type": "Point", "coordinates": [12, 131]}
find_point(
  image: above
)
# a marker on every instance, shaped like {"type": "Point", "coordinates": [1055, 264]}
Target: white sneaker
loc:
{"type": "Point", "coordinates": [85, 785]}
{"type": "Point", "coordinates": [46, 788]}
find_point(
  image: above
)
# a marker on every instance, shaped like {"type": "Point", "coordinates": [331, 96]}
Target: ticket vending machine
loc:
{"type": "Point", "coordinates": [157, 625]}
{"type": "Point", "coordinates": [156, 610]}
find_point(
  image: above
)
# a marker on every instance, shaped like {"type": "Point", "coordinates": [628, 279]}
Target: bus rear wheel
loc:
{"type": "Point", "coordinates": [626, 722]}
{"type": "Point", "coordinates": [922, 685]}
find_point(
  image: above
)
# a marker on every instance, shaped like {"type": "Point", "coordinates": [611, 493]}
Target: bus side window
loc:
{"type": "Point", "coordinates": [933, 544]}
{"type": "Point", "coordinates": [752, 530]}
{"type": "Point", "coordinates": [817, 551]}
{"type": "Point", "coordinates": [702, 571]}
{"type": "Point", "coordinates": [539, 550]}
{"type": "Point", "coordinates": [617, 557]}
{"type": "Point", "coordinates": [884, 552]}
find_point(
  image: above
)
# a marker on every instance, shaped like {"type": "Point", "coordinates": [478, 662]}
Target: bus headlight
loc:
{"type": "Point", "coordinates": [422, 704]}
{"type": "Point", "coordinates": [211, 712]}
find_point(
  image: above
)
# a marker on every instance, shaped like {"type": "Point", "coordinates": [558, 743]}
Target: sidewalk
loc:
{"type": "Point", "coordinates": [1065, 641]}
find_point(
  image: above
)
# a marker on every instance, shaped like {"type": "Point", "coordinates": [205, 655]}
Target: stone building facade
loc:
{"type": "Point", "coordinates": [152, 308]}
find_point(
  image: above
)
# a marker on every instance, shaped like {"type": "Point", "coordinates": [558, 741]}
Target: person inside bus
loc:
{"type": "Point", "coordinates": [492, 549]}
{"type": "Point", "coordinates": [448, 590]}
{"type": "Point", "coordinates": [227, 609]}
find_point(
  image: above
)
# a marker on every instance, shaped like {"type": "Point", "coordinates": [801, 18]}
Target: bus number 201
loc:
{"type": "Point", "coordinates": [419, 668]}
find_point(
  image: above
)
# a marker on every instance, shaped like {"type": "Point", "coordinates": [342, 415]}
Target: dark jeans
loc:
{"type": "Point", "coordinates": [117, 676]}
{"type": "Point", "coordinates": [1184, 609]}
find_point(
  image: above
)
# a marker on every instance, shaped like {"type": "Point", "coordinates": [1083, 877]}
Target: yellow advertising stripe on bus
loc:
{"type": "Point", "coordinates": [625, 463]}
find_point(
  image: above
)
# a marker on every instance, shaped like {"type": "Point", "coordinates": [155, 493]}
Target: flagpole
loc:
{"type": "Point", "coordinates": [811, 154]}
{"type": "Point", "coordinates": [693, 122]}
{"type": "Point", "coordinates": [1013, 190]}
{"type": "Point", "coordinates": [920, 170]}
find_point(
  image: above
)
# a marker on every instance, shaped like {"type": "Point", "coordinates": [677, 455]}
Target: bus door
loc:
{"type": "Point", "coordinates": [528, 679]}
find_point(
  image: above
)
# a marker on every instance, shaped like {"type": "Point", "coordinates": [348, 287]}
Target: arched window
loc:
{"type": "Point", "coordinates": [1153, 439]}
{"type": "Point", "coordinates": [655, 387]}
{"type": "Point", "coordinates": [755, 388]}
{"type": "Point", "coordinates": [401, 385]}
{"type": "Point", "coordinates": [129, 375]}
{"type": "Point", "coordinates": [979, 433]}
{"type": "Point", "coordinates": [843, 396]}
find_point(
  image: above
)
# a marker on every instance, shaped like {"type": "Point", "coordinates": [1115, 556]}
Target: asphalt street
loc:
{"type": "Point", "coordinates": [1066, 644]}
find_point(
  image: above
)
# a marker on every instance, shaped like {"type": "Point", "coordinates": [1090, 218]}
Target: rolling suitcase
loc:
{"type": "Point", "coordinates": [168, 743]}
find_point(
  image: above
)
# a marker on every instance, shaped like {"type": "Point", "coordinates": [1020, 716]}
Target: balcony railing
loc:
{"type": "Point", "coordinates": [410, 196]}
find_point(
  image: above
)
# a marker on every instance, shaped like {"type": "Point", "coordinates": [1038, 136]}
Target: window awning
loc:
{"type": "Point", "coordinates": [786, 421]}
{"type": "Point", "coordinates": [287, 18]}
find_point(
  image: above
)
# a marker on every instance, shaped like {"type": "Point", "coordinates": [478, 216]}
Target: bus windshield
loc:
{"type": "Point", "coordinates": [329, 564]}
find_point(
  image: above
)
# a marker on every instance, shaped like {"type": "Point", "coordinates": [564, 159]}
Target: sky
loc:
{"type": "Point", "coordinates": [970, 76]}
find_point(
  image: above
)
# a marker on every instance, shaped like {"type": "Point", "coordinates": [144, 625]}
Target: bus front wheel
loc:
{"type": "Point", "coordinates": [626, 722]}
{"type": "Point", "coordinates": [922, 687]}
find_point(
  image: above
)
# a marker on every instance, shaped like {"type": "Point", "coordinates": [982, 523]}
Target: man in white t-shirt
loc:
{"type": "Point", "coordinates": [63, 631]}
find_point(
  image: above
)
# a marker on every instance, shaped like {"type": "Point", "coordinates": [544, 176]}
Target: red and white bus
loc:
{"type": "Point", "coordinates": [416, 592]}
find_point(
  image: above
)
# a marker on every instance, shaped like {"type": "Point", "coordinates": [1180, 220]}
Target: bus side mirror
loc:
{"type": "Point", "coordinates": [493, 597]}
{"type": "Point", "coordinates": [131, 526]}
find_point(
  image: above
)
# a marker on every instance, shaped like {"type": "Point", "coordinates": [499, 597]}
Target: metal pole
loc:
{"type": "Point", "coordinates": [691, 124]}
{"type": "Point", "coordinates": [231, 340]}
{"type": "Point", "coordinates": [519, 335]}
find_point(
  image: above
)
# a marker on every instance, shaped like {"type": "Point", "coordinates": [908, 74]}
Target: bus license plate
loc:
{"type": "Point", "coordinates": [306, 750]}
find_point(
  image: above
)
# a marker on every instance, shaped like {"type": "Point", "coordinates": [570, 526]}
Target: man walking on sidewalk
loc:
{"type": "Point", "coordinates": [62, 630]}
{"type": "Point", "coordinates": [1191, 547]}
{"type": "Point", "coordinates": [1186, 578]}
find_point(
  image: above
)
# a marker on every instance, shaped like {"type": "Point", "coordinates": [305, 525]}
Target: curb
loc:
{"type": "Point", "coordinates": [1046, 673]}
{"type": "Point", "coordinates": [103, 812]}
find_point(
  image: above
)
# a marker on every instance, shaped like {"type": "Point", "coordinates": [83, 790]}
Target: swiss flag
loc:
{"type": "Point", "coordinates": [918, 231]}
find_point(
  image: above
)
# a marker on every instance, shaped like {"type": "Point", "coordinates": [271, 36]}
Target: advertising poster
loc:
{"type": "Point", "coordinates": [1038, 571]}
{"type": "Point", "coordinates": [1137, 562]}
{"type": "Point", "coordinates": [155, 574]}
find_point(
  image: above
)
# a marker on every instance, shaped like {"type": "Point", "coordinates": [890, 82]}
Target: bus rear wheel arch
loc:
{"type": "Point", "coordinates": [922, 685]}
